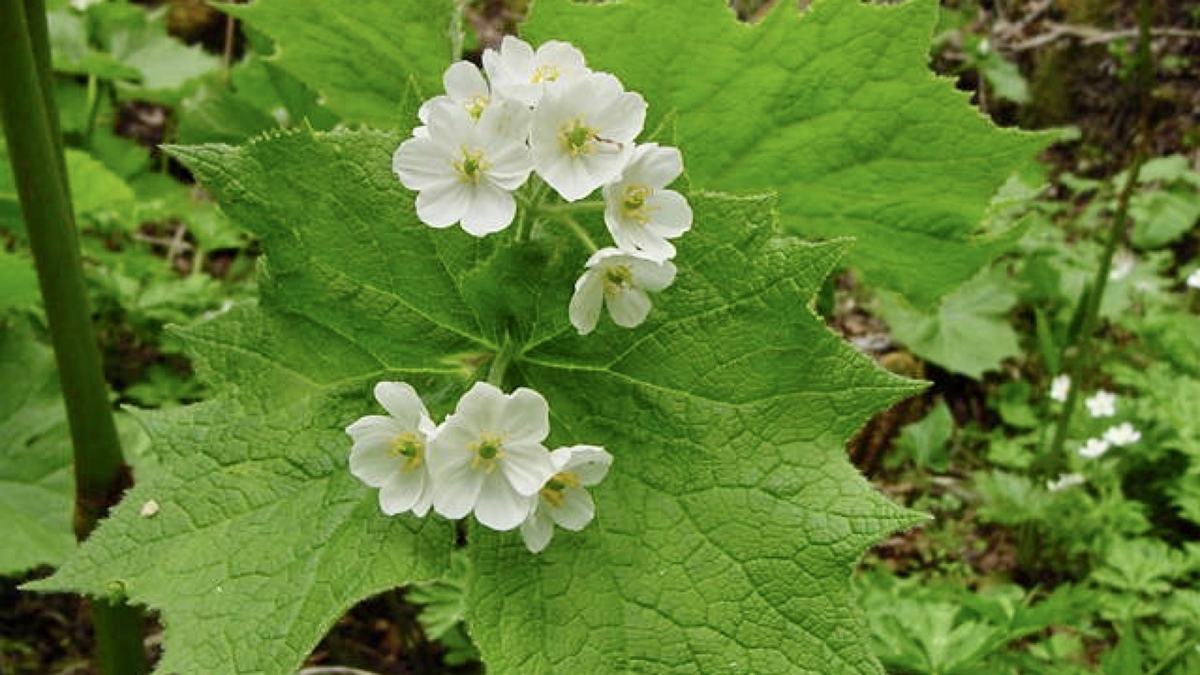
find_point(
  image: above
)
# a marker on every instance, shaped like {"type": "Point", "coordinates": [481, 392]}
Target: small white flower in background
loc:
{"type": "Point", "coordinates": [1064, 481]}
{"type": "Point", "coordinates": [1122, 265]}
{"type": "Point", "coordinates": [465, 171]}
{"type": "Point", "coordinates": [488, 456]}
{"type": "Point", "coordinates": [583, 131]}
{"type": "Point", "coordinates": [389, 452]}
{"type": "Point", "coordinates": [465, 88]}
{"type": "Point", "coordinates": [149, 509]}
{"type": "Point", "coordinates": [619, 280]}
{"type": "Point", "coordinates": [639, 212]}
{"type": "Point", "coordinates": [1094, 448]}
{"type": "Point", "coordinates": [1122, 434]}
{"type": "Point", "coordinates": [1060, 387]}
{"type": "Point", "coordinates": [518, 72]}
{"type": "Point", "coordinates": [562, 500]}
{"type": "Point", "coordinates": [1193, 279]}
{"type": "Point", "coordinates": [1103, 404]}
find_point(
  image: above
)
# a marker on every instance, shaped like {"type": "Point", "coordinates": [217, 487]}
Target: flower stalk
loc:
{"type": "Point", "coordinates": [31, 129]}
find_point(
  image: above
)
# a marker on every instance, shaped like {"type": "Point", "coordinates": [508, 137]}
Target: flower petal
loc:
{"type": "Point", "coordinates": [651, 275]}
{"type": "Point", "coordinates": [576, 512]}
{"type": "Point", "coordinates": [586, 302]}
{"type": "Point", "coordinates": [402, 403]}
{"type": "Point", "coordinates": [527, 417]}
{"type": "Point", "coordinates": [491, 209]}
{"type": "Point", "coordinates": [629, 308]}
{"type": "Point", "coordinates": [537, 529]}
{"type": "Point", "coordinates": [456, 491]}
{"type": "Point", "coordinates": [463, 81]}
{"type": "Point", "coordinates": [498, 506]}
{"type": "Point", "coordinates": [402, 492]}
{"type": "Point", "coordinates": [443, 205]}
{"type": "Point", "coordinates": [589, 462]}
{"type": "Point", "coordinates": [526, 467]}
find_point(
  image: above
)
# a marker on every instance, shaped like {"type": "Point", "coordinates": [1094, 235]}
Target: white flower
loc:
{"type": "Point", "coordinates": [465, 88]}
{"type": "Point", "coordinates": [1122, 434]}
{"type": "Point", "coordinates": [583, 131]}
{"type": "Point", "coordinates": [488, 456]}
{"type": "Point", "coordinates": [1122, 265]}
{"type": "Point", "coordinates": [1065, 480]}
{"type": "Point", "coordinates": [389, 452]}
{"type": "Point", "coordinates": [519, 73]}
{"type": "Point", "coordinates": [465, 171]}
{"type": "Point", "coordinates": [1060, 387]}
{"type": "Point", "coordinates": [639, 213]}
{"type": "Point", "coordinates": [1103, 404]}
{"type": "Point", "coordinates": [563, 500]}
{"type": "Point", "coordinates": [1094, 448]}
{"type": "Point", "coordinates": [618, 280]}
{"type": "Point", "coordinates": [1193, 279]}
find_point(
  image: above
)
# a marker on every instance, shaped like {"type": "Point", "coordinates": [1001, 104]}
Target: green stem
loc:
{"type": "Point", "coordinates": [501, 362]}
{"type": "Point", "coordinates": [1079, 352]}
{"type": "Point", "coordinates": [35, 151]}
{"type": "Point", "coordinates": [575, 207]}
{"type": "Point", "coordinates": [579, 232]}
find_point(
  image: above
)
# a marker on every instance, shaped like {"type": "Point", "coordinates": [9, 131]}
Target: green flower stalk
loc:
{"type": "Point", "coordinates": [31, 130]}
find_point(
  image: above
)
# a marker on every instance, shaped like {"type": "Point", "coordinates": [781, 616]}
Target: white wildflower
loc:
{"type": "Point", "coordinates": [1193, 279]}
{"type": "Point", "coordinates": [488, 456]}
{"type": "Point", "coordinates": [389, 451]}
{"type": "Point", "coordinates": [1103, 404]}
{"type": "Point", "coordinates": [465, 88]}
{"type": "Point", "coordinates": [518, 72]}
{"type": "Point", "coordinates": [1060, 387]}
{"type": "Point", "coordinates": [639, 212]}
{"type": "Point", "coordinates": [562, 500]}
{"type": "Point", "coordinates": [618, 280]}
{"type": "Point", "coordinates": [465, 171]}
{"type": "Point", "coordinates": [1094, 448]}
{"type": "Point", "coordinates": [1122, 434]}
{"type": "Point", "coordinates": [1122, 265]}
{"type": "Point", "coordinates": [1064, 481]}
{"type": "Point", "coordinates": [583, 131]}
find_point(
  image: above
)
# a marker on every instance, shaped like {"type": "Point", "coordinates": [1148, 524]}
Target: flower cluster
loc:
{"type": "Point", "coordinates": [545, 113]}
{"type": "Point", "coordinates": [486, 459]}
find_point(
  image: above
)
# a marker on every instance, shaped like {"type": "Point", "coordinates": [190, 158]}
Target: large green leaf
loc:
{"type": "Point", "coordinates": [835, 109]}
{"type": "Point", "coordinates": [36, 488]}
{"type": "Point", "coordinates": [359, 56]}
{"type": "Point", "coordinates": [727, 527]}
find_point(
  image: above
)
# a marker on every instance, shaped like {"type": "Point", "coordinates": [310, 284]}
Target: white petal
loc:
{"type": "Point", "coordinates": [463, 81]}
{"type": "Point", "coordinates": [499, 507]}
{"type": "Point", "coordinates": [482, 408]}
{"type": "Point", "coordinates": [371, 459]}
{"type": "Point", "coordinates": [589, 462]}
{"type": "Point", "coordinates": [456, 491]}
{"type": "Point", "coordinates": [537, 529]}
{"type": "Point", "coordinates": [449, 448]}
{"type": "Point", "coordinates": [420, 164]}
{"type": "Point", "coordinates": [402, 491]}
{"type": "Point", "coordinates": [491, 209]}
{"type": "Point", "coordinates": [586, 302]}
{"type": "Point", "coordinates": [652, 276]}
{"type": "Point", "coordinates": [629, 308]}
{"type": "Point", "coordinates": [402, 402]}
{"type": "Point", "coordinates": [654, 166]}
{"type": "Point", "coordinates": [672, 213]}
{"type": "Point", "coordinates": [443, 206]}
{"type": "Point", "coordinates": [506, 121]}
{"type": "Point", "coordinates": [527, 417]}
{"type": "Point", "coordinates": [576, 512]}
{"type": "Point", "coordinates": [526, 467]}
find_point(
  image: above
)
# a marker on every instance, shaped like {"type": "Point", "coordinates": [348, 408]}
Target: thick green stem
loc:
{"type": "Point", "coordinates": [26, 100]}
{"type": "Point", "coordinates": [579, 231]}
{"type": "Point", "coordinates": [501, 362]}
{"type": "Point", "coordinates": [1079, 352]}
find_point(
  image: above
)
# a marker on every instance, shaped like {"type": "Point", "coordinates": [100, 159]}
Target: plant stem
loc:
{"type": "Point", "coordinates": [1079, 352]}
{"type": "Point", "coordinates": [579, 232]}
{"type": "Point", "coordinates": [576, 207]}
{"type": "Point", "coordinates": [500, 363]}
{"type": "Point", "coordinates": [26, 100]}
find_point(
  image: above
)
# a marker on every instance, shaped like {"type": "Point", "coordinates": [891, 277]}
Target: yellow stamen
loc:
{"type": "Point", "coordinates": [409, 447]}
{"type": "Point", "coordinates": [488, 451]}
{"type": "Point", "coordinates": [577, 138]}
{"type": "Point", "coordinates": [617, 279]}
{"type": "Point", "coordinates": [471, 167]}
{"type": "Point", "coordinates": [545, 73]}
{"type": "Point", "coordinates": [634, 204]}
{"type": "Point", "coordinates": [555, 490]}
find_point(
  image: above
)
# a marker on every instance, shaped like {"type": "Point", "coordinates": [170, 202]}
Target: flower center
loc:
{"type": "Point", "coordinates": [471, 167]}
{"type": "Point", "coordinates": [409, 447]}
{"type": "Point", "coordinates": [475, 106]}
{"type": "Point", "coordinates": [488, 451]}
{"type": "Point", "coordinates": [577, 138]}
{"type": "Point", "coordinates": [634, 204]}
{"type": "Point", "coordinates": [617, 279]}
{"type": "Point", "coordinates": [545, 73]}
{"type": "Point", "coordinates": [554, 492]}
